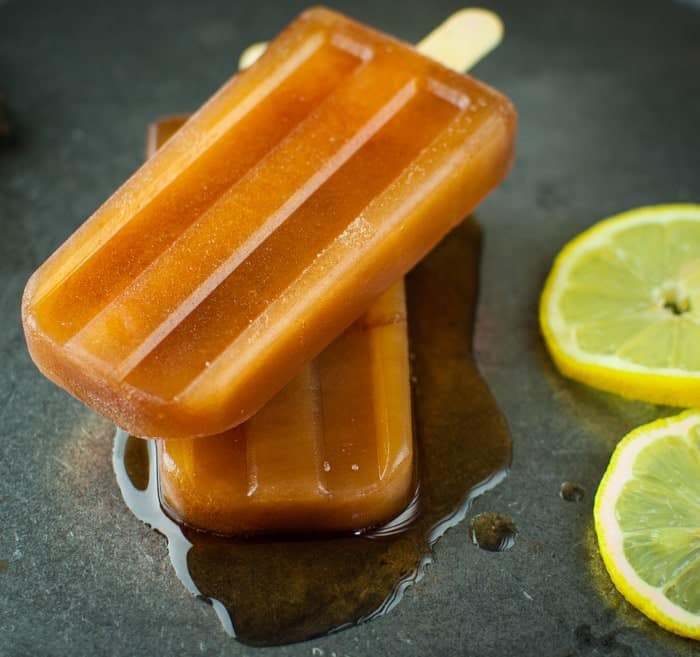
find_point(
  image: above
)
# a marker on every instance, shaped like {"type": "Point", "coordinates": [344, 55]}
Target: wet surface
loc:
{"type": "Point", "coordinates": [606, 123]}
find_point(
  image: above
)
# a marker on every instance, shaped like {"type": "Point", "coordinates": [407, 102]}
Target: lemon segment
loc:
{"type": "Point", "coordinates": [647, 520]}
{"type": "Point", "coordinates": [620, 309]}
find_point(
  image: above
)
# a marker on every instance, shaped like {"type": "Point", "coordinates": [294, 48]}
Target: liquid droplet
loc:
{"type": "Point", "coordinates": [495, 532]}
{"type": "Point", "coordinates": [571, 492]}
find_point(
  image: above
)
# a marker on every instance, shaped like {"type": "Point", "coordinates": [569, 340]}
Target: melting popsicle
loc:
{"type": "Point", "coordinates": [334, 450]}
{"type": "Point", "coordinates": [290, 201]}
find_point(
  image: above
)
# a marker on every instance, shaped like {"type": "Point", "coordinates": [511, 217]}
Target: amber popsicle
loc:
{"type": "Point", "coordinates": [289, 202]}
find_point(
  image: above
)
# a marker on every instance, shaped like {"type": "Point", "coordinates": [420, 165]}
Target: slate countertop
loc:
{"type": "Point", "coordinates": [609, 101]}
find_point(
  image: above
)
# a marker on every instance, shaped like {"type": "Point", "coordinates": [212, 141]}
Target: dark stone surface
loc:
{"type": "Point", "coordinates": [609, 102]}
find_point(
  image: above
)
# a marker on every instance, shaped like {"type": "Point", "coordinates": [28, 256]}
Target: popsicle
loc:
{"type": "Point", "coordinates": [290, 201]}
{"type": "Point", "coordinates": [334, 450]}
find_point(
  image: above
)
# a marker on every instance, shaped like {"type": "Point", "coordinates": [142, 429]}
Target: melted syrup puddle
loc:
{"type": "Point", "coordinates": [271, 591]}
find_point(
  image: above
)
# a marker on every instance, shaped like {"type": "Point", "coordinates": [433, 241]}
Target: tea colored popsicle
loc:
{"type": "Point", "coordinates": [289, 202]}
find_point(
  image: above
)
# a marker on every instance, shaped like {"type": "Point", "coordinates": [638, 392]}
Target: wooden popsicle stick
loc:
{"type": "Point", "coordinates": [251, 54]}
{"type": "Point", "coordinates": [463, 39]}
{"type": "Point", "coordinates": [459, 42]}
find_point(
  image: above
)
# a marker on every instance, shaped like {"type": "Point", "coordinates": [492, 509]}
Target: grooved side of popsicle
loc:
{"type": "Point", "coordinates": [284, 207]}
{"type": "Point", "coordinates": [99, 285]}
{"type": "Point", "coordinates": [239, 222]}
{"type": "Point", "coordinates": [390, 377]}
{"type": "Point", "coordinates": [247, 292]}
{"type": "Point", "coordinates": [285, 442]}
{"type": "Point", "coordinates": [439, 184]}
{"type": "Point", "coordinates": [301, 80]}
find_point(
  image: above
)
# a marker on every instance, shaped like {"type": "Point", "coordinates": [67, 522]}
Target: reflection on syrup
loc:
{"type": "Point", "coordinates": [278, 590]}
{"type": "Point", "coordinates": [136, 463]}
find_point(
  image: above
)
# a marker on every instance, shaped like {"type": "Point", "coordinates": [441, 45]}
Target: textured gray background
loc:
{"type": "Point", "coordinates": [609, 102]}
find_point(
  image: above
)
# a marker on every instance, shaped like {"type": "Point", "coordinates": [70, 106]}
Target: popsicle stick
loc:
{"type": "Point", "coordinates": [459, 42]}
{"type": "Point", "coordinates": [251, 54]}
{"type": "Point", "coordinates": [463, 39]}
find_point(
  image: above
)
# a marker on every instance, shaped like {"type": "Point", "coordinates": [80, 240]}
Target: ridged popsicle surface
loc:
{"type": "Point", "coordinates": [289, 202]}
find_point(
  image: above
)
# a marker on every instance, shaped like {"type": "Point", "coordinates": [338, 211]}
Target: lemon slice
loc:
{"type": "Point", "coordinates": [647, 519]}
{"type": "Point", "coordinates": [621, 307]}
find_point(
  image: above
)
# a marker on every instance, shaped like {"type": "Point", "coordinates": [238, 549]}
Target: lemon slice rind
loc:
{"type": "Point", "coordinates": [648, 599]}
{"type": "Point", "coordinates": [661, 385]}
